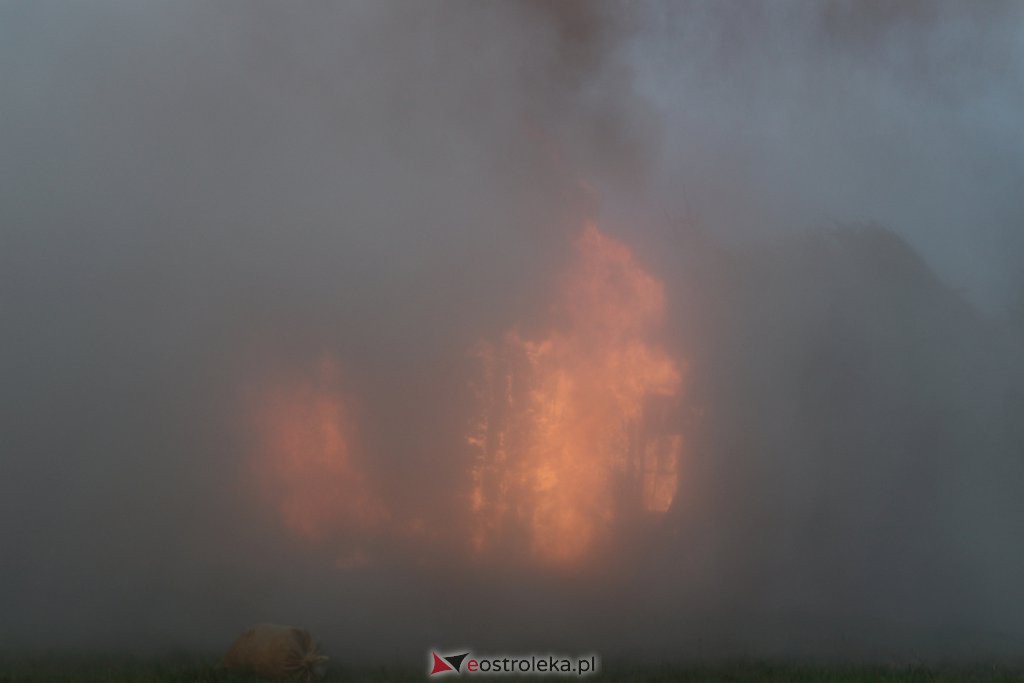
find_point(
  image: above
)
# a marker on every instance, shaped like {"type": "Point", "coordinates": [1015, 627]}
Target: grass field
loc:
{"type": "Point", "coordinates": [92, 669]}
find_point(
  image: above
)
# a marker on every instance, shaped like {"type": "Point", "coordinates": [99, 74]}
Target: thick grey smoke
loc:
{"type": "Point", "coordinates": [196, 197]}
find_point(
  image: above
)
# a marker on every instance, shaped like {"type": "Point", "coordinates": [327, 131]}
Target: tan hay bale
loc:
{"type": "Point", "coordinates": [275, 651]}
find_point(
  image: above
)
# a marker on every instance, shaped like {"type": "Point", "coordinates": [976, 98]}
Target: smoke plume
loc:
{"type": "Point", "coordinates": [657, 329]}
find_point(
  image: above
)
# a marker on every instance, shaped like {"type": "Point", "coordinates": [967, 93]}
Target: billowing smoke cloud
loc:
{"type": "Point", "coordinates": [226, 223]}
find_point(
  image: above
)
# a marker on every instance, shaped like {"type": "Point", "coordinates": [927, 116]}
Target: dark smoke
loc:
{"type": "Point", "coordinates": [197, 196]}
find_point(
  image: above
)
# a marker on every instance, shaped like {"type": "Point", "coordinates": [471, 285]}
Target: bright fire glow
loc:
{"type": "Point", "coordinates": [307, 467]}
{"type": "Point", "coordinates": [573, 427]}
{"type": "Point", "coordinates": [573, 431]}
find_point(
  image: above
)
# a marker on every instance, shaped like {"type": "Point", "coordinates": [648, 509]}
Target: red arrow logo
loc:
{"type": "Point", "coordinates": [440, 665]}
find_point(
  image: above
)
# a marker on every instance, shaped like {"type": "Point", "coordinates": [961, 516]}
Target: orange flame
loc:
{"type": "Point", "coordinates": [572, 429]}
{"type": "Point", "coordinates": [307, 467]}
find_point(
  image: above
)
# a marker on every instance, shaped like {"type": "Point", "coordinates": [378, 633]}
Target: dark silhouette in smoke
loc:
{"type": "Point", "coordinates": [859, 438]}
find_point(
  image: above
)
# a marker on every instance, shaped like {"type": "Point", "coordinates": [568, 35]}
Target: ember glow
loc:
{"type": "Point", "coordinates": [572, 431]}
{"type": "Point", "coordinates": [307, 467]}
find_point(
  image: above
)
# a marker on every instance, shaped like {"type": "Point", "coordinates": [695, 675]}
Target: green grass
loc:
{"type": "Point", "coordinates": [94, 669]}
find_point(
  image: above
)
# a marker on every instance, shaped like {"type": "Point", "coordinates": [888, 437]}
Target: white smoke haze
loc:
{"type": "Point", "coordinates": [250, 254]}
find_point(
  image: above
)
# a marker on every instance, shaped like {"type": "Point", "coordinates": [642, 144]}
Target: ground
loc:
{"type": "Point", "coordinates": [92, 669]}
